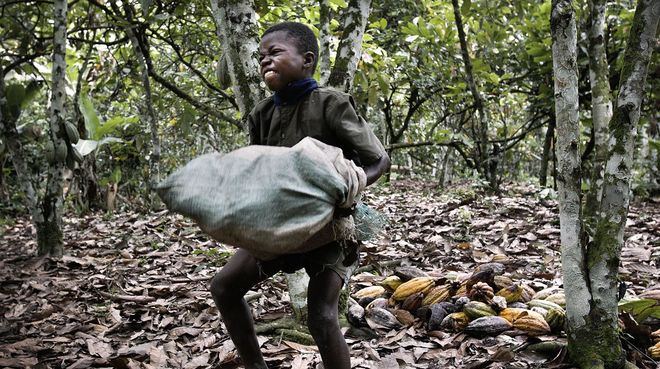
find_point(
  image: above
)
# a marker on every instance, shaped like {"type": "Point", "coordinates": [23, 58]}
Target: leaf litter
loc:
{"type": "Point", "coordinates": [131, 291]}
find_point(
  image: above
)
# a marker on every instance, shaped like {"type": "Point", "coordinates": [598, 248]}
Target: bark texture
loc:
{"type": "Point", "coordinates": [564, 56]}
{"type": "Point", "coordinates": [349, 51]}
{"type": "Point", "coordinates": [237, 29]}
{"type": "Point", "coordinates": [548, 145]}
{"type": "Point", "coordinates": [325, 41]}
{"type": "Point", "coordinates": [590, 269]}
{"type": "Point", "coordinates": [49, 228]}
{"type": "Point", "coordinates": [140, 48]}
{"type": "Point", "coordinates": [604, 255]}
{"type": "Point", "coordinates": [601, 101]}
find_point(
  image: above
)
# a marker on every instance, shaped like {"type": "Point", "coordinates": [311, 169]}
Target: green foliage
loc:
{"type": "Point", "coordinates": [641, 309]}
{"type": "Point", "coordinates": [410, 58]}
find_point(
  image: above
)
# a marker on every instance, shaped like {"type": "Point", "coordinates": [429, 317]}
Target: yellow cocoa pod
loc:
{"type": "Point", "coordinates": [557, 298]}
{"type": "Point", "coordinates": [542, 294]}
{"type": "Point", "coordinates": [556, 318]}
{"type": "Point", "coordinates": [371, 291]}
{"type": "Point", "coordinates": [437, 294]}
{"type": "Point", "coordinates": [418, 284]}
{"type": "Point", "coordinates": [462, 290]}
{"type": "Point", "coordinates": [455, 322]}
{"type": "Point", "coordinates": [511, 314]}
{"type": "Point", "coordinates": [511, 294]}
{"type": "Point", "coordinates": [532, 323]}
{"type": "Point", "coordinates": [544, 304]}
{"type": "Point", "coordinates": [527, 293]}
{"type": "Point", "coordinates": [654, 351]}
{"type": "Point", "coordinates": [391, 283]}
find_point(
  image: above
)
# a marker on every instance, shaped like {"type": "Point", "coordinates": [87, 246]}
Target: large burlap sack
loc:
{"type": "Point", "coordinates": [269, 200]}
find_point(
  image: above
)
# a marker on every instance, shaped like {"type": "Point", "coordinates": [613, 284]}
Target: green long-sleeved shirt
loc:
{"type": "Point", "coordinates": [325, 114]}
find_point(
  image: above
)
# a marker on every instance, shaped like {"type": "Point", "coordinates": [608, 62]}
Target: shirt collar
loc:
{"type": "Point", "coordinates": [294, 92]}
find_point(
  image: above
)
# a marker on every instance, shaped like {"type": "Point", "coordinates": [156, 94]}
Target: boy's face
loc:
{"type": "Point", "coordinates": [282, 62]}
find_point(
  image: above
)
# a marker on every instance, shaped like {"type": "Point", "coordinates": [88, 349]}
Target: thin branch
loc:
{"type": "Point", "coordinates": [206, 82]}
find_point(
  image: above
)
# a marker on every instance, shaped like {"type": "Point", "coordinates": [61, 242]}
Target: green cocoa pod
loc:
{"type": "Point", "coordinates": [223, 72]}
{"type": "Point", "coordinates": [49, 152]}
{"type": "Point", "coordinates": [72, 133]}
{"type": "Point", "coordinates": [75, 154]}
{"type": "Point", "coordinates": [70, 162]}
{"type": "Point", "coordinates": [478, 309]}
{"type": "Point", "coordinates": [61, 151]}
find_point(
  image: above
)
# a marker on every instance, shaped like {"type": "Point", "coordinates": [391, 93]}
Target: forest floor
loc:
{"type": "Point", "coordinates": [132, 289]}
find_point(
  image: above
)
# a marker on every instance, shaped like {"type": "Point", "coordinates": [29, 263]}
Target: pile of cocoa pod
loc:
{"type": "Point", "coordinates": [485, 303]}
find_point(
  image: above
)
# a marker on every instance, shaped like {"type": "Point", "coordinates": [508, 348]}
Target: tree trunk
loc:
{"type": "Point", "coordinates": [487, 169]}
{"type": "Point", "coordinates": [603, 256]}
{"type": "Point", "coordinates": [590, 271]}
{"type": "Point", "coordinates": [349, 51]}
{"type": "Point", "coordinates": [49, 228]}
{"type": "Point", "coordinates": [601, 101]}
{"type": "Point", "coordinates": [237, 29]}
{"type": "Point", "coordinates": [547, 152]}
{"type": "Point", "coordinates": [324, 41]}
{"type": "Point", "coordinates": [141, 48]}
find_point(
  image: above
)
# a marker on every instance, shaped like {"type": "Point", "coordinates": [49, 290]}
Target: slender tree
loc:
{"type": "Point", "coordinates": [601, 99]}
{"type": "Point", "coordinates": [49, 226]}
{"type": "Point", "coordinates": [590, 255]}
{"type": "Point", "coordinates": [349, 51]}
{"type": "Point", "coordinates": [485, 160]}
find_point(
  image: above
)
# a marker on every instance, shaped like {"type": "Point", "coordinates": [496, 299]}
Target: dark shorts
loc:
{"type": "Point", "coordinates": [341, 257]}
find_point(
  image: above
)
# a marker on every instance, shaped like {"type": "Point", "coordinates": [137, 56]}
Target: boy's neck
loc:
{"type": "Point", "coordinates": [294, 92]}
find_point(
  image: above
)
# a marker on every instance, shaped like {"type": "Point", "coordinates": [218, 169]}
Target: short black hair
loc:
{"type": "Point", "coordinates": [305, 38]}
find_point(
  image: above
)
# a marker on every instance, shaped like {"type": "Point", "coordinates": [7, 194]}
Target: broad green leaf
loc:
{"type": "Point", "coordinates": [15, 94]}
{"type": "Point", "coordinates": [384, 83]}
{"type": "Point", "coordinates": [641, 309]}
{"type": "Point", "coordinates": [372, 98]}
{"type": "Point", "coordinates": [30, 93]}
{"type": "Point", "coordinates": [112, 124]}
{"type": "Point", "coordinates": [494, 78]}
{"type": "Point", "coordinates": [655, 144]}
{"type": "Point", "coordinates": [115, 177]}
{"type": "Point", "coordinates": [361, 80]}
{"type": "Point", "coordinates": [465, 8]}
{"type": "Point", "coordinates": [334, 4]}
{"type": "Point", "coordinates": [92, 123]}
{"type": "Point", "coordinates": [383, 23]}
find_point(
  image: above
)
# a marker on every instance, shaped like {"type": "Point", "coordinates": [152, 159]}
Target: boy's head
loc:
{"type": "Point", "coordinates": [288, 52]}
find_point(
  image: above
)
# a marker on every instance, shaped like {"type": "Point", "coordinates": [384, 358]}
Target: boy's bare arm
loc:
{"type": "Point", "coordinates": [376, 169]}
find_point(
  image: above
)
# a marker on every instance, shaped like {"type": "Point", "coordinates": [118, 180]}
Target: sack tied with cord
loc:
{"type": "Point", "coordinates": [272, 200]}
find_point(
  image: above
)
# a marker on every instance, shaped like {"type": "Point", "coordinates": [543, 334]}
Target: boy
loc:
{"type": "Point", "coordinates": [299, 108]}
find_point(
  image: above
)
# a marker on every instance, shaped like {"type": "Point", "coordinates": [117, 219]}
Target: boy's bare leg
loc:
{"type": "Point", "coordinates": [322, 304]}
{"type": "Point", "coordinates": [228, 287]}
